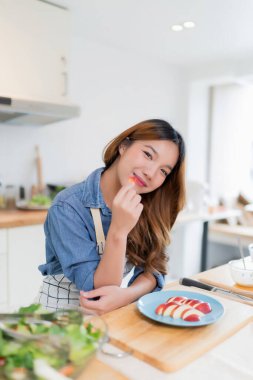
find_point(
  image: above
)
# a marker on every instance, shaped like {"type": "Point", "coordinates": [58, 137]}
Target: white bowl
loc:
{"type": "Point", "coordinates": [240, 275]}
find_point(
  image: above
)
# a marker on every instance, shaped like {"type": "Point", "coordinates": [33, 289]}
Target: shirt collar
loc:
{"type": "Point", "coordinates": [92, 195]}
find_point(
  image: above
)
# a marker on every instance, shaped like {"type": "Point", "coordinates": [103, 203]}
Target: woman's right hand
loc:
{"type": "Point", "coordinates": [126, 210]}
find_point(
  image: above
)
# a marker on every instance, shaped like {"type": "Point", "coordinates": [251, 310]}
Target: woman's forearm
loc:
{"type": "Point", "coordinates": [143, 284]}
{"type": "Point", "coordinates": [112, 297]}
{"type": "Point", "coordinates": [111, 267]}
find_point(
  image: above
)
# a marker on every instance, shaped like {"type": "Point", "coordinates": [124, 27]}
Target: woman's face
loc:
{"type": "Point", "coordinates": [149, 162]}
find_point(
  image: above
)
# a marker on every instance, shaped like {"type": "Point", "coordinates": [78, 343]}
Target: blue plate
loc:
{"type": "Point", "coordinates": [148, 303]}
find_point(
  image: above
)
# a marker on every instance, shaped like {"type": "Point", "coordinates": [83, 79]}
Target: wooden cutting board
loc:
{"type": "Point", "coordinates": [221, 277]}
{"type": "Point", "coordinates": [171, 348]}
{"type": "Point", "coordinates": [97, 370]}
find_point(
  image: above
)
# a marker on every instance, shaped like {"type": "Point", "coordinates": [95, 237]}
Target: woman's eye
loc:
{"type": "Point", "coordinates": [164, 172]}
{"type": "Point", "coordinates": [148, 154]}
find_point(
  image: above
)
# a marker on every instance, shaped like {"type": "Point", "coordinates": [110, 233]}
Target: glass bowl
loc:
{"type": "Point", "coordinates": [25, 328]}
{"type": "Point", "coordinates": [67, 344]}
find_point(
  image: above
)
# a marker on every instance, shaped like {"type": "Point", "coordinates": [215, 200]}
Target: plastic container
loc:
{"type": "Point", "coordinates": [10, 197]}
{"type": "Point", "coordinates": [240, 275]}
{"type": "Point", "coordinates": [2, 197]}
{"type": "Point", "coordinates": [250, 247]}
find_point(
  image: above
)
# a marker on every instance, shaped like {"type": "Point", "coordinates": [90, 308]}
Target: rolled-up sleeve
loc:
{"type": "Point", "coordinates": [160, 278]}
{"type": "Point", "coordinates": [73, 245]}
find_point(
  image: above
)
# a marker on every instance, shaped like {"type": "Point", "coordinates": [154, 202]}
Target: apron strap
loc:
{"type": "Point", "coordinates": [95, 212]}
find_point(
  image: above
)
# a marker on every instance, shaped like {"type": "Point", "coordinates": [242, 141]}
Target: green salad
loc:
{"type": "Point", "coordinates": [34, 308]}
{"type": "Point", "coordinates": [65, 347]}
{"type": "Point", "coordinates": [40, 200]}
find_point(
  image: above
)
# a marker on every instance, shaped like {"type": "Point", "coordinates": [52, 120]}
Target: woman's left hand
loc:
{"type": "Point", "coordinates": [111, 297]}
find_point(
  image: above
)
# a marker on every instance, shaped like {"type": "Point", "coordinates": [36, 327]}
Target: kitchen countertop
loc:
{"type": "Point", "coordinates": [185, 217]}
{"type": "Point", "coordinates": [20, 218]}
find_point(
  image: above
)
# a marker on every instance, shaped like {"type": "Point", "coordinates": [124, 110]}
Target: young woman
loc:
{"type": "Point", "coordinates": [119, 218]}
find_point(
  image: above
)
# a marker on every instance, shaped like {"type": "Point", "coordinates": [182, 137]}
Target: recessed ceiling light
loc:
{"type": "Point", "coordinates": [189, 24]}
{"type": "Point", "coordinates": [176, 28]}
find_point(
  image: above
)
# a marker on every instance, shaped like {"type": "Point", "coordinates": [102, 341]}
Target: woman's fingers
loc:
{"type": "Point", "coordinates": [127, 198]}
{"type": "Point", "coordinates": [91, 293]}
{"type": "Point", "coordinates": [92, 305]}
{"type": "Point", "coordinates": [87, 302]}
{"type": "Point", "coordinates": [136, 200]}
{"type": "Point", "coordinates": [124, 212]}
{"type": "Point", "coordinates": [139, 208]}
{"type": "Point", "coordinates": [123, 191]}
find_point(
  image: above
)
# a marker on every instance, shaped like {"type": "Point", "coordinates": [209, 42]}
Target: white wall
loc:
{"type": "Point", "coordinates": [200, 78]}
{"type": "Point", "coordinates": [232, 141]}
{"type": "Point", "coordinates": [185, 249]}
{"type": "Point", "coordinates": [197, 131]}
{"type": "Point", "coordinates": [115, 89]}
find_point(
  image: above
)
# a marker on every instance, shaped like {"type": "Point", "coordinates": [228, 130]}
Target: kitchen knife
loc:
{"type": "Point", "coordinates": [189, 282]}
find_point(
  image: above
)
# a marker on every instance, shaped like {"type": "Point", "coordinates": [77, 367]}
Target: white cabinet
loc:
{"type": "Point", "coordinates": [3, 279]}
{"type": "Point", "coordinates": [3, 241]}
{"type": "Point", "coordinates": [34, 50]}
{"type": "Point", "coordinates": [26, 252]}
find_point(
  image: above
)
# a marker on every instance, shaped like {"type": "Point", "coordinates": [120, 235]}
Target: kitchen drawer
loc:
{"type": "Point", "coordinates": [3, 279]}
{"type": "Point", "coordinates": [3, 240]}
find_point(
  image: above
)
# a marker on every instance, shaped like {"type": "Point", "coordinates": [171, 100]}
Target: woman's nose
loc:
{"type": "Point", "coordinates": [149, 172]}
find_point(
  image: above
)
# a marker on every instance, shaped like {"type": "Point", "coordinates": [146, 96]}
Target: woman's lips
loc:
{"type": "Point", "coordinates": [139, 181]}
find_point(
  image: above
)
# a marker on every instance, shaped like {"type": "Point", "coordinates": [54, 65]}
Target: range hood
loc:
{"type": "Point", "coordinates": [15, 111]}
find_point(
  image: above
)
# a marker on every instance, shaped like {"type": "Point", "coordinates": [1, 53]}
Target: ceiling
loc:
{"type": "Point", "coordinates": [224, 28]}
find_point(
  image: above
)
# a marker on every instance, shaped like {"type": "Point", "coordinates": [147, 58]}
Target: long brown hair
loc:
{"type": "Point", "coordinates": [147, 241]}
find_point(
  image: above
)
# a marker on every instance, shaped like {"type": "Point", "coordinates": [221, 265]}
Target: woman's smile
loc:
{"type": "Point", "coordinates": [139, 181]}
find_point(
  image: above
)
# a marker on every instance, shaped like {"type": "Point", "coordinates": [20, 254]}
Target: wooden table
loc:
{"type": "Point", "coordinates": [225, 233]}
{"type": "Point", "coordinates": [98, 370]}
{"type": "Point", "coordinates": [205, 217]}
{"type": "Point", "coordinates": [230, 359]}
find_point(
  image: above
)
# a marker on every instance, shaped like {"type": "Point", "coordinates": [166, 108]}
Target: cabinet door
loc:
{"type": "Point", "coordinates": [3, 266]}
{"type": "Point", "coordinates": [3, 279]}
{"type": "Point", "coordinates": [26, 251]}
{"type": "Point", "coordinates": [34, 50]}
{"type": "Point", "coordinates": [3, 241]}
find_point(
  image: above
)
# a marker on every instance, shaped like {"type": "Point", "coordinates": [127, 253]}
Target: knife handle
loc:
{"type": "Point", "coordinates": [189, 282]}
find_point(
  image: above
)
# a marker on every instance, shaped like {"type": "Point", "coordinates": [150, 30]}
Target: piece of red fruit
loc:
{"type": "Point", "coordinates": [131, 179]}
{"type": "Point", "coordinates": [194, 302]}
{"type": "Point", "coordinates": [160, 308]}
{"type": "Point", "coordinates": [171, 306]}
{"type": "Point", "coordinates": [204, 307]}
{"type": "Point", "coordinates": [173, 311]}
{"type": "Point", "coordinates": [173, 303]}
{"type": "Point", "coordinates": [192, 318]}
{"type": "Point", "coordinates": [176, 299]}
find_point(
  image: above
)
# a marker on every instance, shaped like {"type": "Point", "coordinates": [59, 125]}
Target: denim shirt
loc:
{"type": "Point", "coordinates": [71, 247]}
